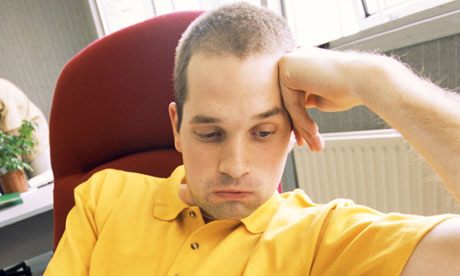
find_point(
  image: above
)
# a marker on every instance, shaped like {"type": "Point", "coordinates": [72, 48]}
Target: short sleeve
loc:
{"type": "Point", "coordinates": [73, 253]}
{"type": "Point", "coordinates": [357, 240]}
{"type": "Point", "coordinates": [94, 200]}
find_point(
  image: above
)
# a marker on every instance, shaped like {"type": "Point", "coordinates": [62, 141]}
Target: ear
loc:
{"type": "Point", "coordinates": [174, 124]}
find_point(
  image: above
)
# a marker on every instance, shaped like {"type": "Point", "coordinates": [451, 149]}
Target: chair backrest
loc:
{"type": "Point", "coordinates": [110, 108]}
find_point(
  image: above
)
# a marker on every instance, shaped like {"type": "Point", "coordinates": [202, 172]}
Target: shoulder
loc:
{"type": "Point", "coordinates": [297, 208]}
{"type": "Point", "coordinates": [121, 176]}
{"type": "Point", "coordinates": [344, 230]}
{"type": "Point", "coordinates": [389, 237]}
{"type": "Point", "coordinates": [298, 201]}
{"type": "Point", "coordinates": [110, 184]}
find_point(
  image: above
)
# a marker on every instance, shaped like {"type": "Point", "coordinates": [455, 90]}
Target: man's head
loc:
{"type": "Point", "coordinates": [240, 29]}
{"type": "Point", "coordinates": [229, 121]}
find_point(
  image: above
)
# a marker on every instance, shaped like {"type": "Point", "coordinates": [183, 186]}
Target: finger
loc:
{"type": "Point", "coordinates": [294, 101]}
{"type": "Point", "coordinates": [305, 129]}
{"type": "Point", "coordinates": [318, 142]}
{"type": "Point", "coordinates": [302, 117]}
{"type": "Point", "coordinates": [314, 142]}
{"type": "Point", "coordinates": [298, 137]}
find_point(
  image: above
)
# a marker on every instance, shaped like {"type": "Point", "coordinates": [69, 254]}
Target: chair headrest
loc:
{"type": "Point", "coordinates": [112, 98]}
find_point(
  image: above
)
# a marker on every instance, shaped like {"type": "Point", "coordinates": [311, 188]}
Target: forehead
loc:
{"type": "Point", "coordinates": [226, 85]}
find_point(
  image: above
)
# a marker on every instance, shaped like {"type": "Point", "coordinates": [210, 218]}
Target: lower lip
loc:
{"type": "Point", "coordinates": [233, 195]}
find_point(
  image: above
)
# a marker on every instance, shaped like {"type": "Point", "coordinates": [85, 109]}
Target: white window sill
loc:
{"type": "Point", "coordinates": [427, 25]}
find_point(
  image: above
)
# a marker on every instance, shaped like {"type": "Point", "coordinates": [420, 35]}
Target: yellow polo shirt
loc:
{"type": "Point", "coordinates": [132, 224]}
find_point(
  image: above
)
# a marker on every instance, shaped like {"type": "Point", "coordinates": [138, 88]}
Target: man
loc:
{"type": "Point", "coordinates": [219, 214]}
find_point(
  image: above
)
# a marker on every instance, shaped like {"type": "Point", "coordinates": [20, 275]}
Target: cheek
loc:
{"type": "Point", "coordinates": [199, 159]}
{"type": "Point", "coordinates": [277, 148]}
{"type": "Point", "coordinates": [271, 157]}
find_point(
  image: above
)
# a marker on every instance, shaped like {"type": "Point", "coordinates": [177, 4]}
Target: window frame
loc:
{"type": "Point", "coordinates": [376, 31]}
{"type": "Point", "coordinates": [101, 19]}
{"type": "Point", "coordinates": [399, 11]}
{"type": "Point", "coordinates": [425, 25]}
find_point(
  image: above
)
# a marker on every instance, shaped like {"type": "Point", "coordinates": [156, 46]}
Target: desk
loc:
{"type": "Point", "coordinates": [26, 230]}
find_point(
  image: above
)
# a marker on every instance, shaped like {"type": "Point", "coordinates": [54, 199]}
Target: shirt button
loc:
{"type": "Point", "coordinates": [194, 245]}
{"type": "Point", "coordinates": [192, 214]}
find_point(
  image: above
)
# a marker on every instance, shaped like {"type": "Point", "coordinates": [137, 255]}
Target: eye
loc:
{"type": "Point", "coordinates": [265, 134]}
{"type": "Point", "coordinates": [208, 136]}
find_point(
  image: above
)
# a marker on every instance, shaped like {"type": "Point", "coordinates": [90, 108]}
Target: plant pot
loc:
{"type": "Point", "coordinates": [14, 182]}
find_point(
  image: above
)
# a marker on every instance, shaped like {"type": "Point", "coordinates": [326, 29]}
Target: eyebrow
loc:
{"type": "Point", "coordinates": [203, 119]}
{"type": "Point", "coordinates": [272, 112]}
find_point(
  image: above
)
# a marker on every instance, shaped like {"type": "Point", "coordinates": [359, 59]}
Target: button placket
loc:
{"type": "Point", "coordinates": [193, 220]}
{"type": "Point", "coordinates": [194, 246]}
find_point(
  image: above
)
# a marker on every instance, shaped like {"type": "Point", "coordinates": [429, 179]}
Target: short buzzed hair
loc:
{"type": "Point", "coordinates": [237, 29]}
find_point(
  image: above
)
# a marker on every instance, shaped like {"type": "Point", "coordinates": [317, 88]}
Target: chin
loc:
{"type": "Point", "coordinates": [230, 210]}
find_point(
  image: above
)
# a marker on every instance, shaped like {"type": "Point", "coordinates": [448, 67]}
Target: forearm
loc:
{"type": "Point", "coordinates": [425, 114]}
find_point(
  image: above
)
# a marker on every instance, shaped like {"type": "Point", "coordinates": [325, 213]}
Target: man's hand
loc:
{"type": "Point", "coordinates": [327, 80]}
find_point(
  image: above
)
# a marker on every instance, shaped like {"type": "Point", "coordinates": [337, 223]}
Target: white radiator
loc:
{"type": "Point", "coordinates": [376, 168]}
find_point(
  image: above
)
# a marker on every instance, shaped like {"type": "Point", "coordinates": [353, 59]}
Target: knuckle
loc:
{"type": "Point", "coordinates": [285, 72]}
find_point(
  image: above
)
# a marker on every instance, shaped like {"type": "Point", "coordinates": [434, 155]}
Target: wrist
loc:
{"type": "Point", "coordinates": [380, 82]}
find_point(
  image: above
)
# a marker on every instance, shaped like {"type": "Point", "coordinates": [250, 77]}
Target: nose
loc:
{"type": "Point", "coordinates": [233, 160]}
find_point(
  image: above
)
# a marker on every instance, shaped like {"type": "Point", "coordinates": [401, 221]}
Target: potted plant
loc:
{"type": "Point", "coordinates": [12, 147]}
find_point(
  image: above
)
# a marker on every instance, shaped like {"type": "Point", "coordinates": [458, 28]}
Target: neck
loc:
{"type": "Point", "coordinates": [184, 194]}
{"type": "Point", "coordinates": [206, 217]}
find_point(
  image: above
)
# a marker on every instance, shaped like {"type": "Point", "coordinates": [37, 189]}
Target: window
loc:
{"type": "Point", "coordinates": [113, 15]}
{"type": "Point", "coordinates": [314, 22]}
{"type": "Point", "coordinates": [371, 13]}
{"type": "Point", "coordinates": [162, 6]}
{"type": "Point", "coordinates": [318, 22]}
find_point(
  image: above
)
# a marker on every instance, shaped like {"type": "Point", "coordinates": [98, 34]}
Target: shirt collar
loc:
{"type": "Point", "coordinates": [258, 221]}
{"type": "Point", "coordinates": [169, 205]}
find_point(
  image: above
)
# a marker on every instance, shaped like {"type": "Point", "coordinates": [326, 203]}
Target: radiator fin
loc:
{"type": "Point", "coordinates": [378, 169]}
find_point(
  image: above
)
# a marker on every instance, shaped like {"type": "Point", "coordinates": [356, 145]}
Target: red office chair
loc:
{"type": "Point", "coordinates": [110, 108]}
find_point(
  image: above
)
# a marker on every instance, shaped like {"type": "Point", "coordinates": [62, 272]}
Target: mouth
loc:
{"type": "Point", "coordinates": [232, 195]}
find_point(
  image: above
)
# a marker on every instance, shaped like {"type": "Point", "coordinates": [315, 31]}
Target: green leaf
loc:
{"type": "Point", "coordinates": [13, 146]}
